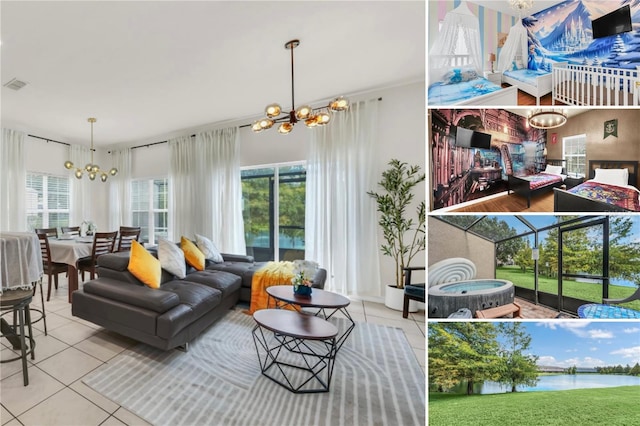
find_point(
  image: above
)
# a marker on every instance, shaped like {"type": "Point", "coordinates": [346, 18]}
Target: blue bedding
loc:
{"type": "Point", "coordinates": [526, 75]}
{"type": "Point", "coordinates": [448, 94]}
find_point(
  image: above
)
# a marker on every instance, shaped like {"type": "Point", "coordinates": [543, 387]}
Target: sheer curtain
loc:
{"type": "Point", "coordinates": [458, 23]}
{"type": "Point", "coordinates": [120, 189]}
{"type": "Point", "coordinates": [515, 45]}
{"type": "Point", "coordinates": [206, 195]}
{"type": "Point", "coordinates": [80, 189]}
{"type": "Point", "coordinates": [341, 223]}
{"type": "Point", "coordinates": [13, 182]}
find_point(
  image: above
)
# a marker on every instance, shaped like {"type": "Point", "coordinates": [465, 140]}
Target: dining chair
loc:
{"type": "Point", "coordinates": [126, 235]}
{"type": "Point", "coordinates": [50, 268]}
{"type": "Point", "coordinates": [71, 230]}
{"type": "Point", "coordinates": [50, 232]}
{"type": "Point", "coordinates": [103, 242]}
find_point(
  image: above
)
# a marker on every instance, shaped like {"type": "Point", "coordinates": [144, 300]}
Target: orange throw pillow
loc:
{"type": "Point", "coordinates": [192, 254]}
{"type": "Point", "coordinates": [144, 266]}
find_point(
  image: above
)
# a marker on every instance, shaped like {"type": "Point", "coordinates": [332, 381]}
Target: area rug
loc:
{"type": "Point", "coordinates": [376, 381]}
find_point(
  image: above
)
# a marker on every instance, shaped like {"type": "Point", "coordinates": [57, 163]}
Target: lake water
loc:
{"type": "Point", "coordinates": [560, 382]}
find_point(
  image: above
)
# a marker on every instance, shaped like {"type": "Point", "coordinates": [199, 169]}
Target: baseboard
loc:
{"type": "Point", "coordinates": [471, 203]}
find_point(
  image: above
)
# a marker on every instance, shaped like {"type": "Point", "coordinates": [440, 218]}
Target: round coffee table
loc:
{"type": "Point", "coordinates": [327, 303]}
{"type": "Point", "coordinates": [306, 364]}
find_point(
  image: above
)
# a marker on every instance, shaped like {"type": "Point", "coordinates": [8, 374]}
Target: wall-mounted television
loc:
{"type": "Point", "coordinates": [471, 139]}
{"type": "Point", "coordinates": [616, 22]}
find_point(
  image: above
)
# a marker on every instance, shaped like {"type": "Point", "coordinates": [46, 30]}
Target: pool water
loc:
{"type": "Point", "coordinates": [465, 287]}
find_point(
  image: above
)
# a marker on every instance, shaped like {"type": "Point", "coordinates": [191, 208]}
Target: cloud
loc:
{"type": "Point", "coordinates": [586, 362]}
{"type": "Point", "coordinates": [631, 330]}
{"type": "Point", "coordinates": [547, 360]}
{"type": "Point", "coordinates": [593, 349]}
{"type": "Point", "coordinates": [600, 334]}
{"type": "Point", "coordinates": [632, 353]}
{"type": "Point", "coordinates": [571, 350]}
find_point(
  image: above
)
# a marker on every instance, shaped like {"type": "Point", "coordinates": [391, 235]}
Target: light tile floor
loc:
{"type": "Point", "coordinates": [74, 347]}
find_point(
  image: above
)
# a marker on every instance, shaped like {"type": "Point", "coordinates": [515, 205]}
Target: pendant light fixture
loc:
{"type": "Point", "coordinates": [91, 168]}
{"type": "Point", "coordinates": [547, 118]}
{"type": "Point", "coordinates": [312, 117]}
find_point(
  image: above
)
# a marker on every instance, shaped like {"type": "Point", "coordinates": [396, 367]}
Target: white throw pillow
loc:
{"type": "Point", "coordinates": [171, 258]}
{"type": "Point", "coordinates": [554, 170]}
{"type": "Point", "coordinates": [209, 249]}
{"type": "Point", "coordinates": [619, 177]}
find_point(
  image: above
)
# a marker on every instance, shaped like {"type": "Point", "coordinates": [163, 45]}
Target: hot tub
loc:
{"type": "Point", "coordinates": [445, 299]}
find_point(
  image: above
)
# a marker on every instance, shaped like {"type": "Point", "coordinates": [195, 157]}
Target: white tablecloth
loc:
{"type": "Point", "coordinates": [20, 260]}
{"type": "Point", "coordinates": [69, 251]}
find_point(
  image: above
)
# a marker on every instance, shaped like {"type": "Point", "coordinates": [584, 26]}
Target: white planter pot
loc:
{"type": "Point", "coordinates": [394, 299]}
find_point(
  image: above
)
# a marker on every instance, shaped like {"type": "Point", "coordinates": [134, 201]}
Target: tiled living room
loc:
{"type": "Point", "coordinates": [74, 348]}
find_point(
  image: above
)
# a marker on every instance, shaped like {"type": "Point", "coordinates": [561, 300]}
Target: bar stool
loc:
{"type": "Point", "coordinates": [17, 302]}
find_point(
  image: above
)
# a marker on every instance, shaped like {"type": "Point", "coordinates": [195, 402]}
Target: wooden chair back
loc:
{"type": "Point", "coordinates": [127, 235]}
{"type": "Point", "coordinates": [49, 232]}
{"type": "Point", "coordinates": [103, 242]}
{"type": "Point", "coordinates": [71, 230]}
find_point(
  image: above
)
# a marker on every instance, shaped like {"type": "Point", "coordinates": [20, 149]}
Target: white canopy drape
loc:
{"type": "Point", "coordinates": [206, 194]}
{"type": "Point", "coordinates": [13, 181]}
{"type": "Point", "coordinates": [341, 221]}
{"type": "Point", "coordinates": [120, 189]}
{"type": "Point", "coordinates": [516, 45]}
{"type": "Point", "coordinates": [458, 23]}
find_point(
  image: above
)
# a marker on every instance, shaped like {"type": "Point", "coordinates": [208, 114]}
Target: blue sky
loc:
{"type": "Point", "coordinates": [584, 343]}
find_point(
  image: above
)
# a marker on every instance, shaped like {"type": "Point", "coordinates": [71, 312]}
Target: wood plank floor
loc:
{"type": "Point", "coordinates": [511, 203]}
{"type": "Point", "coordinates": [527, 99]}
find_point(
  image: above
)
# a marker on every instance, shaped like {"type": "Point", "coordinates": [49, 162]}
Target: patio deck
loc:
{"type": "Point", "coordinates": [532, 311]}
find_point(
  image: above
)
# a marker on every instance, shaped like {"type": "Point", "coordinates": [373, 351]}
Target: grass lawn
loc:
{"type": "Point", "coordinates": [583, 407]}
{"type": "Point", "coordinates": [584, 291]}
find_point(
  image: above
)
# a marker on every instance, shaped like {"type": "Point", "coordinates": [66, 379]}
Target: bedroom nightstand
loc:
{"type": "Point", "coordinates": [493, 76]}
{"type": "Point", "coordinates": [570, 182]}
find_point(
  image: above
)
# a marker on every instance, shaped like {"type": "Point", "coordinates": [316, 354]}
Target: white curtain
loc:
{"type": "Point", "coordinates": [206, 195]}
{"type": "Point", "coordinates": [458, 23]}
{"type": "Point", "coordinates": [341, 222]}
{"type": "Point", "coordinates": [515, 45]}
{"type": "Point", "coordinates": [120, 189]}
{"type": "Point", "coordinates": [80, 189]}
{"type": "Point", "coordinates": [13, 182]}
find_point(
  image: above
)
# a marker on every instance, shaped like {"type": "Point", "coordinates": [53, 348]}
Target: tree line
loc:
{"type": "Point", "coordinates": [619, 369]}
{"type": "Point", "coordinates": [476, 352]}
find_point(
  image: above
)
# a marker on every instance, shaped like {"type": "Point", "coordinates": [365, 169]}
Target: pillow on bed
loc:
{"type": "Point", "coordinates": [554, 170]}
{"type": "Point", "coordinates": [519, 64]}
{"type": "Point", "coordinates": [458, 75]}
{"type": "Point", "coordinates": [619, 177]}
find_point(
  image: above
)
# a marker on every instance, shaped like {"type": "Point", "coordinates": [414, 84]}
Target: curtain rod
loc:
{"type": "Point", "coordinates": [49, 140]}
{"type": "Point", "coordinates": [146, 145]}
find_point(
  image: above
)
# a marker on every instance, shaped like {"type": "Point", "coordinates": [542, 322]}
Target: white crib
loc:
{"type": "Point", "coordinates": [596, 86]}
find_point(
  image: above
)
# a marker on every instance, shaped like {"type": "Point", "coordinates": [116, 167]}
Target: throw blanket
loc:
{"type": "Point", "coordinates": [273, 273]}
{"type": "Point", "coordinates": [621, 196]}
{"type": "Point", "coordinates": [541, 179]}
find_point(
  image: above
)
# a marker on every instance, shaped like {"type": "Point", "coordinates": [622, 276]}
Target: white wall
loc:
{"type": "Point", "coordinates": [402, 117]}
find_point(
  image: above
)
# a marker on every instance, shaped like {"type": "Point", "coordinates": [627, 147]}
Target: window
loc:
{"type": "Point", "coordinates": [574, 153]}
{"type": "Point", "coordinates": [47, 201]}
{"type": "Point", "coordinates": [149, 205]}
{"type": "Point", "coordinates": [273, 200]}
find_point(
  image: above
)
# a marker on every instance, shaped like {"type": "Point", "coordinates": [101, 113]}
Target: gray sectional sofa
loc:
{"type": "Point", "coordinates": [174, 314]}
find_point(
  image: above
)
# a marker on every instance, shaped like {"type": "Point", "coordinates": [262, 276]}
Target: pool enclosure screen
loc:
{"type": "Point", "coordinates": [560, 261]}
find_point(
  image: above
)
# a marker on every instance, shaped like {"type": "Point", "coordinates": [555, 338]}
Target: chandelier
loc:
{"type": "Point", "coordinates": [311, 117]}
{"type": "Point", "coordinates": [547, 119]}
{"type": "Point", "coordinates": [521, 5]}
{"type": "Point", "coordinates": [91, 168]}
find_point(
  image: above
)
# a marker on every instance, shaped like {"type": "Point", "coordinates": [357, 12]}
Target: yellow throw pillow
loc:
{"type": "Point", "coordinates": [193, 255]}
{"type": "Point", "coordinates": [144, 266]}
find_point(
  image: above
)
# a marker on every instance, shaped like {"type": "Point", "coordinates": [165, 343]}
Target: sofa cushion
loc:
{"type": "Point", "coordinates": [225, 282]}
{"type": "Point", "coordinates": [242, 269]}
{"type": "Point", "coordinates": [141, 296]}
{"type": "Point", "coordinates": [144, 266]}
{"type": "Point", "coordinates": [192, 254]}
{"type": "Point", "coordinates": [209, 249]}
{"type": "Point", "coordinates": [195, 301]}
{"type": "Point", "coordinates": [171, 258]}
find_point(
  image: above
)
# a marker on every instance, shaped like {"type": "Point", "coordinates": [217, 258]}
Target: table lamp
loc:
{"type": "Point", "coordinates": [492, 58]}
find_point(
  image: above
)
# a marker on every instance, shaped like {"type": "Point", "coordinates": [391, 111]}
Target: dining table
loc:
{"type": "Point", "coordinates": [69, 251]}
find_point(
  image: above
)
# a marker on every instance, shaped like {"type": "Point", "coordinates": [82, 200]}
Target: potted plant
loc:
{"type": "Point", "coordinates": [404, 234]}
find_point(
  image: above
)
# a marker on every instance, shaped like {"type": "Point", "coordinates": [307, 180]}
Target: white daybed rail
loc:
{"type": "Point", "coordinates": [596, 86]}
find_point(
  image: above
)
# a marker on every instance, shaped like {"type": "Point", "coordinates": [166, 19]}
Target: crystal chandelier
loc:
{"type": "Point", "coordinates": [312, 117]}
{"type": "Point", "coordinates": [91, 168]}
{"type": "Point", "coordinates": [521, 5]}
{"type": "Point", "coordinates": [547, 118]}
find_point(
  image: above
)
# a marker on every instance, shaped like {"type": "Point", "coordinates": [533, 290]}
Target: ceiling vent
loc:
{"type": "Point", "coordinates": [15, 84]}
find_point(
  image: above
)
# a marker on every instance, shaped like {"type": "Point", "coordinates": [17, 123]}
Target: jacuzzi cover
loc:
{"type": "Point", "coordinates": [451, 270]}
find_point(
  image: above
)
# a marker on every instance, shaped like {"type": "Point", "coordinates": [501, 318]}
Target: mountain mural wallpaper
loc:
{"type": "Point", "coordinates": [563, 33]}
